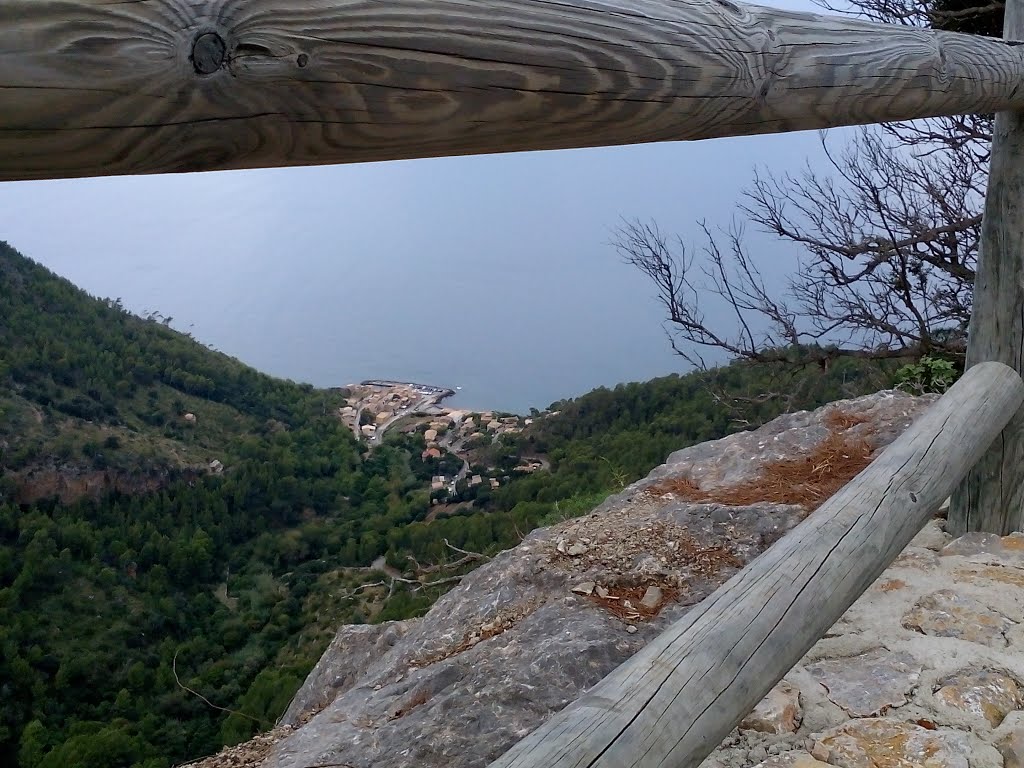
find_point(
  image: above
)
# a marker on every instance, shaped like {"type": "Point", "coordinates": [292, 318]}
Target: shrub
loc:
{"type": "Point", "coordinates": [929, 374]}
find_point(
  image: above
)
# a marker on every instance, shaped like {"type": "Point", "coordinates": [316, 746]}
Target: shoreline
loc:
{"type": "Point", "coordinates": [427, 389]}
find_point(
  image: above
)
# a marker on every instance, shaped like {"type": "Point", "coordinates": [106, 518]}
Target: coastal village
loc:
{"type": "Point", "coordinates": [376, 407]}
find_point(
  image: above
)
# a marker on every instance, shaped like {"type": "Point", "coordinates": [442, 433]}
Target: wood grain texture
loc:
{"type": "Point", "coordinates": [94, 87]}
{"type": "Point", "coordinates": [991, 497]}
{"type": "Point", "coordinates": [674, 702]}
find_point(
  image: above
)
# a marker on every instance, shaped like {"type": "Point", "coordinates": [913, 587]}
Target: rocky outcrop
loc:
{"type": "Point", "coordinates": [528, 632]}
{"type": "Point", "coordinates": [69, 483]}
{"type": "Point", "coordinates": [353, 649]}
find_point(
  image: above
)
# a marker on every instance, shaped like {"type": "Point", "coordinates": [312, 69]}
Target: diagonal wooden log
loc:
{"type": "Point", "coordinates": [93, 87]}
{"type": "Point", "coordinates": [673, 703]}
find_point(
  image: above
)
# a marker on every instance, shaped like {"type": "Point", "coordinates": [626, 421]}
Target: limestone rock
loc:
{"type": "Point", "coordinates": [353, 649]}
{"type": "Point", "coordinates": [870, 683]}
{"type": "Point", "coordinates": [1006, 550]}
{"type": "Point", "coordinates": [1011, 747]}
{"type": "Point", "coordinates": [932, 537]}
{"type": "Point", "coordinates": [919, 559]}
{"type": "Point", "coordinates": [1013, 544]}
{"type": "Point", "coordinates": [586, 588]}
{"type": "Point", "coordinates": [974, 543]}
{"type": "Point", "coordinates": [876, 742]}
{"type": "Point", "coordinates": [736, 459]}
{"type": "Point", "coordinates": [792, 760]}
{"type": "Point", "coordinates": [778, 712]}
{"type": "Point", "coordinates": [652, 598]}
{"type": "Point", "coordinates": [948, 614]}
{"type": "Point", "coordinates": [983, 575]}
{"type": "Point", "coordinates": [648, 566]}
{"type": "Point", "coordinates": [985, 693]}
{"type": "Point", "coordinates": [757, 753]}
{"type": "Point", "coordinates": [820, 752]}
{"type": "Point", "coordinates": [249, 754]}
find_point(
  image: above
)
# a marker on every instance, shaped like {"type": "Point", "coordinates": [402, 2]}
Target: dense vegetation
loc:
{"type": "Point", "coordinates": [231, 583]}
{"type": "Point", "coordinates": [232, 573]}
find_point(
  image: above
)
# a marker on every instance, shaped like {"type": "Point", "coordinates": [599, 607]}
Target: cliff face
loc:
{"type": "Point", "coordinates": [70, 484]}
{"type": "Point", "coordinates": [528, 632]}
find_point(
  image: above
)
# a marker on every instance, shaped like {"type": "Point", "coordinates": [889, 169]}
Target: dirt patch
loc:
{"type": "Point", "coordinates": [807, 481]}
{"type": "Point", "coordinates": [627, 603]}
{"type": "Point", "coordinates": [891, 585]}
{"type": "Point", "coordinates": [639, 554]}
{"type": "Point", "coordinates": [839, 420]}
{"type": "Point", "coordinates": [221, 593]}
{"type": "Point", "coordinates": [445, 510]}
{"type": "Point", "coordinates": [248, 754]}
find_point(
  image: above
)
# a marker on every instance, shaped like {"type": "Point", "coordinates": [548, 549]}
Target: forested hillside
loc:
{"type": "Point", "coordinates": [230, 583]}
{"type": "Point", "coordinates": [84, 378]}
{"type": "Point", "coordinates": [238, 575]}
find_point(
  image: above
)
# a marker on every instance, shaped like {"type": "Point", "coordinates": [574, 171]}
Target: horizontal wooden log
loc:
{"type": "Point", "coordinates": [678, 698]}
{"type": "Point", "coordinates": [93, 87]}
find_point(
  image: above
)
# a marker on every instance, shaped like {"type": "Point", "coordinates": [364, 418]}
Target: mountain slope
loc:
{"type": "Point", "coordinates": [151, 572]}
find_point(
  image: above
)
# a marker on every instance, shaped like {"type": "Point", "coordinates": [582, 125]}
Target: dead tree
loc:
{"type": "Point", "coordinates": [888, 237]}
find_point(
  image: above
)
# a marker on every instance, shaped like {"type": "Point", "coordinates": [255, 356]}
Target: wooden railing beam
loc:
{"type": "Point", "coordinates": [92, 87]}
{"type": "Point", "coordinates": [678, 698]}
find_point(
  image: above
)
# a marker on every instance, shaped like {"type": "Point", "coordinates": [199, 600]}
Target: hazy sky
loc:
{"type": "Point", "coordinates": [492, 273]}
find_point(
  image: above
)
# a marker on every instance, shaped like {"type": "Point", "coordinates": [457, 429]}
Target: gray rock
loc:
{"type": "Point", "coordinates": [792, 760]}
{"type": "Point", "coordinates": [1011, 747]}
{"type": "Point", "coordinates": [586, 588]}
{"type": "Point", "coordinates": [974, 543]}
{"type": "Point", "coordinates": [758, 753]}
{"type": "Point", "coordinates": [985, 693]}
{"type": "Point", "coordinates": [354, 648]}
{"type": "Point", "coordinates": [652, 598]}
{"type": "Point", "coordinates": [736, 459]}
{"type": "Point", "coordinates": [870, 683]}
{"type": "Point", "coordinates": [946, 613]}
{"type": "Point", "coordinates": [778, 712]}
{"type": "Point", "coordinates": [933, 536]}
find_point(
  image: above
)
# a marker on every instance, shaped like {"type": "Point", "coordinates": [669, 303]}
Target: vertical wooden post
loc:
{"type": "Point", "coordinates": [991, 497]}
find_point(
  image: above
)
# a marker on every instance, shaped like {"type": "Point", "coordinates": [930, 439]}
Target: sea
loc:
{"type": "Point", "coordinates": [494, 275]}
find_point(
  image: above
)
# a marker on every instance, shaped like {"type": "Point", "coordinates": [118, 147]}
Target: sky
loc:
{"type": "Point", "coordinates": [491, 273]}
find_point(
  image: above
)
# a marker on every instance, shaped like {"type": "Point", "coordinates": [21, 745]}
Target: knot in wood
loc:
{"type": "Point", "coordinates": [208, 53]}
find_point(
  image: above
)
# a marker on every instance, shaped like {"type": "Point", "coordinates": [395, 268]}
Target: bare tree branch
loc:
{"type": "Point", "coordinates": [887, 234]}
{"type": "Point", "coordinates": [418, 579]}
